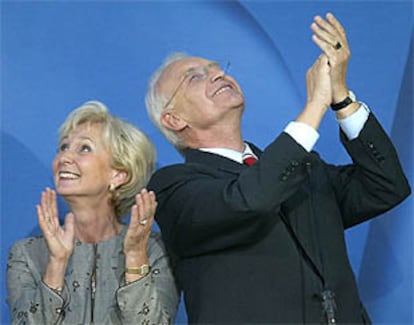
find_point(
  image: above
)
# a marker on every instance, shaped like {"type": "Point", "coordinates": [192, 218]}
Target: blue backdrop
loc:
{"type": "Point", "coordinates": [57, 55]}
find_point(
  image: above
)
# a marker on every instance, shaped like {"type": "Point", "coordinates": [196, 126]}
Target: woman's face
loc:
{"type": "Point", "coordinates": [81, 167]}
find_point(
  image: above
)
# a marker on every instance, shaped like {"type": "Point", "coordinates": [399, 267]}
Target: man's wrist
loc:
{"type": "Point", "coordinates": [345, 102]}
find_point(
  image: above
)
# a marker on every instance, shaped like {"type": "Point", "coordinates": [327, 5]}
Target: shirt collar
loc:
{"type": "Point", "coordinates": [230, 153]}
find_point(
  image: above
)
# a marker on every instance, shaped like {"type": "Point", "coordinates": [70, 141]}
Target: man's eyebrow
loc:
{"type": "Point", "coordinates": [210, 64]}
{"type": "Point", "coordinates": [213, 63]}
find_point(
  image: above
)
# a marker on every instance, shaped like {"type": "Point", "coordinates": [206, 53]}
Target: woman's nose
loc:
{"type": "Point", "coordinates": [66, 157]}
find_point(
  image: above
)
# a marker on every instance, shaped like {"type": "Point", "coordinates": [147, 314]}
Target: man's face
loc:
{"type": "Point", "coordinates": [201, 94]}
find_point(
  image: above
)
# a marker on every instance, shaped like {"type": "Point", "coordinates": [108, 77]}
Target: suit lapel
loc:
{"type": "Point", "coordinates": [194, 156]}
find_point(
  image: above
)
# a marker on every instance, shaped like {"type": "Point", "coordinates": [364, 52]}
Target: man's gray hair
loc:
{"type": "Point", "coordinates": [156, 101]}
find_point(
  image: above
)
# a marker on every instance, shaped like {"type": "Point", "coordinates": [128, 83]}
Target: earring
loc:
{"type": "Point", "coordinates": [111, 187]}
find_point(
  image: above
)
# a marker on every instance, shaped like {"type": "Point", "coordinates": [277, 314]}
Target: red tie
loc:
{"type": "Point", "coordinates": [249, 160]}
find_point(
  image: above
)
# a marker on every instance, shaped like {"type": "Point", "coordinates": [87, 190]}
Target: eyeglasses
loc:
{"type": "Point", "coordinates": [198, 74]}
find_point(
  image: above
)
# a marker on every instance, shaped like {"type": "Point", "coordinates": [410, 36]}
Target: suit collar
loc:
{"type": "Point", "coordinates": [231, 153]}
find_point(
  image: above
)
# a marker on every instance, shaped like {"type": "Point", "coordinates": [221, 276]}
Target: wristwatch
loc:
{"type": "Point", "coordinates": [142, 270]}
{"type": "Point", "coordinates": [348, 100]}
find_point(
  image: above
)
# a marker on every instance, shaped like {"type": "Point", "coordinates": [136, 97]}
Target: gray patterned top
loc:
{"type": "Point", "coordinates": [151, 300]}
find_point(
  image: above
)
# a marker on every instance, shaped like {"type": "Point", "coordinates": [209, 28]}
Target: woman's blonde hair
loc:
{"type": "Point", "coordinates": [130, 149]}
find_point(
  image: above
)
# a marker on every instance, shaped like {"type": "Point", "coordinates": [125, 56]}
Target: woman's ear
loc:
{"type": "Point", "coordinates": [119, 177]}
{"type": "Point", "coordinates": [172, 121]}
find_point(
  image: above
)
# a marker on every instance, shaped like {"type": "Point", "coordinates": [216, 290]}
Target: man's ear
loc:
{"type": "Point", "coordinates": [172, 121]}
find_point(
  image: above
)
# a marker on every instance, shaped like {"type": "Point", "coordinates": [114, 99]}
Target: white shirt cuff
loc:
{"type": "Point", "coordinates": [353, 124]}
{"type": "Point", "coordinates": [303, 134]}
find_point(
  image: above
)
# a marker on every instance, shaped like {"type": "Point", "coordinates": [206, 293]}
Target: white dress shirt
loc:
{"type": "Point", "coordinates": [307, 136]}
{"type": "Point", "coordinates": [304, 134]}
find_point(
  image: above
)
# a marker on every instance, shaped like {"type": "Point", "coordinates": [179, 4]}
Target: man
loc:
{"type": "Point", "coordinates": [265, 243]}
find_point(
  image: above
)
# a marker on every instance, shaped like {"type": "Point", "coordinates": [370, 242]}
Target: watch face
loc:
{"type": "Point", "coordinates": [144, 270]}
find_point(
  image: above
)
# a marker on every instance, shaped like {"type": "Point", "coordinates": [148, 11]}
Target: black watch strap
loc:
{"type": "Point", "coordinates": [336, 107]}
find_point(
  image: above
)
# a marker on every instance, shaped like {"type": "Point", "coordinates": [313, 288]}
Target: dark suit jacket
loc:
{"type": "Point", "coordinates": [258, 244]}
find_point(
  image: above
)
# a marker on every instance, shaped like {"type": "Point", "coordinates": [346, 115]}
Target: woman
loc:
{"type": "Point", "coordinates": [95, 269]}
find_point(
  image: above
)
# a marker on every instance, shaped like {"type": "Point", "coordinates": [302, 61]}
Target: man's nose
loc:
{"type": "Point", "coordinates": [216, 75]}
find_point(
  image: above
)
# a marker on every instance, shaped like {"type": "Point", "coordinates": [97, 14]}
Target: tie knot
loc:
{"type": "Point", "coordinates": [249, 160]}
